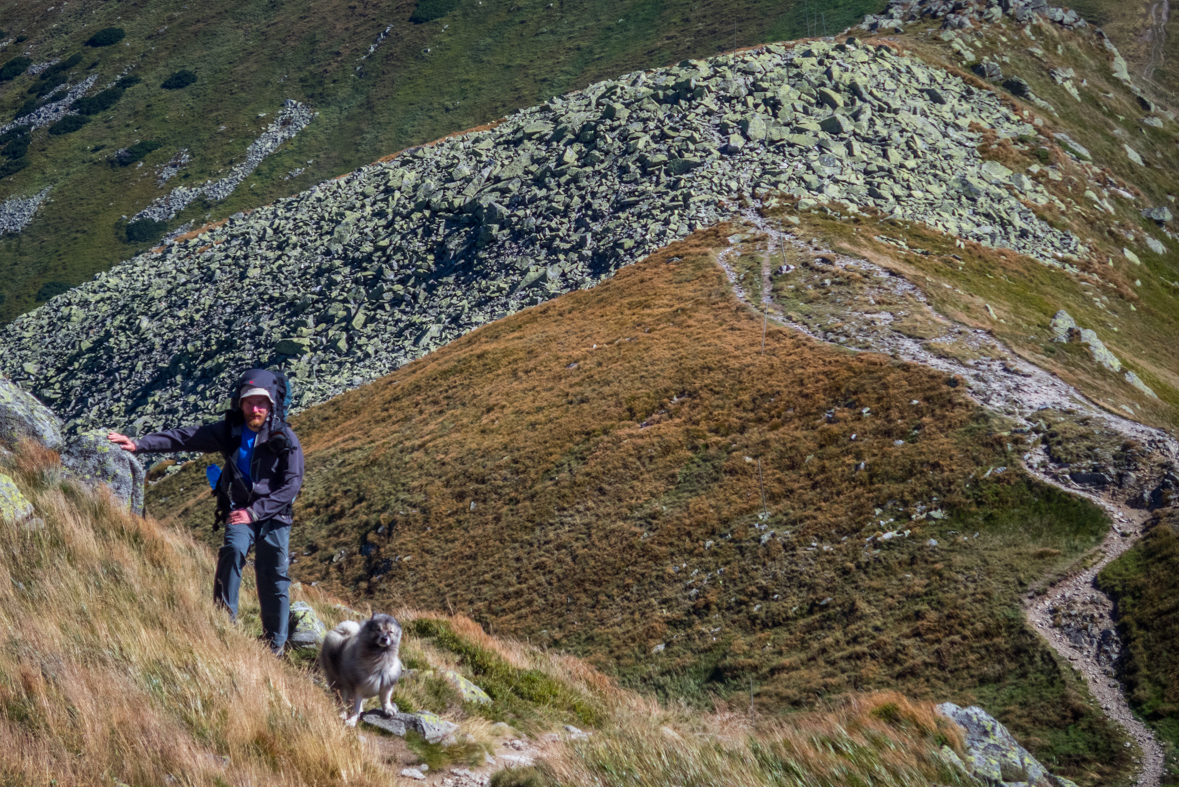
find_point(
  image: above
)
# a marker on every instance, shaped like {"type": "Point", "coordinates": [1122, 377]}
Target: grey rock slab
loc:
{"type": "Point", "coordinates": [95, 461]}
{"type": "Point", "coordinates": [429, 725]}
{"type": "Point", "coordinates": [23, 417]}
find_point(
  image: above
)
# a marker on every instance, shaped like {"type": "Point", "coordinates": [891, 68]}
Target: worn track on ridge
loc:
{"type": "Point", "coordinates": [1018, 389]}
{"type": "Point", "coordinates": [1160, 14]}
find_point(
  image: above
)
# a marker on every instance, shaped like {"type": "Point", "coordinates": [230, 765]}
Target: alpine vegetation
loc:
{"type": "Point", "coordinates": [355, 277]}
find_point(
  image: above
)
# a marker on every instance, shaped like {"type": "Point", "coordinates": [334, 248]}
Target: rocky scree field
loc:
{"type": "Point", "coordinates": [351, 279]}
{"type": "Point", "coordinates": [382, 76]}
{"type": "Point", "coordinates": [623, 474]}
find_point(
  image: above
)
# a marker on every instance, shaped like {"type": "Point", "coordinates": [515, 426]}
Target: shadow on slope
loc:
{"type": "Point", "coordinates": [589, 473]}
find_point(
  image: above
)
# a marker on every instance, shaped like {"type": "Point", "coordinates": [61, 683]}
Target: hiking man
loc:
{"type": "Point", "coordinates": [262, 473]}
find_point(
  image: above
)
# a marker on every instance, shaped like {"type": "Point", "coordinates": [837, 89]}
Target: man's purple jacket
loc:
{"type": "Point", "coordinates": [277, 466]}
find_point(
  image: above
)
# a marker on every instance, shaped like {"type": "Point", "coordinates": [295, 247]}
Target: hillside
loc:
{"type": "Point", "coordinates": [380, 76]}
{"type": "Point", "coordinates": [120, 671]}
{"type": "Point", "coordinates": [768, 377]}
{"type": "Point", "coordinates": [590, 473]}
{"type": "Point", "coordinates": [350, 280]}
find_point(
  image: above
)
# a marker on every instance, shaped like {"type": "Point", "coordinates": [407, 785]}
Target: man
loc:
{"type": "Point", "coordinates": [264, 464]}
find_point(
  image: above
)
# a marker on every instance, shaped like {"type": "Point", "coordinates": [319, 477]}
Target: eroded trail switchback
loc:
{"type": "Point", "coordinates": [1073, 616]}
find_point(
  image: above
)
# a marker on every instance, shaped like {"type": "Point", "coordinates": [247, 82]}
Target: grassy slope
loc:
{"type": "Point", "coordinates": [1133, 308]}
{"type": "Point", "coordinates": [585, 473]}
{"type": "Point", "coordinates": [1144, 584]}
{"type": "Point", "coordinates": [492, 57]}
{"type": "Point", "coordinates": [1129, 25]}
{"type": "Point", "coordinates": [117, 669]}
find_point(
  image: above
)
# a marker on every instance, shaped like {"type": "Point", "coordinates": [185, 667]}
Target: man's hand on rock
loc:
{"type": "Point", "coordinates": [122, 441]}
{"type": "Point", "coordinates": [239, 517]}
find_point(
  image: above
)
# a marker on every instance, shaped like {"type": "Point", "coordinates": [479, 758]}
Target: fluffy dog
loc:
{"type": "Point", "coordinates": [359, 660]}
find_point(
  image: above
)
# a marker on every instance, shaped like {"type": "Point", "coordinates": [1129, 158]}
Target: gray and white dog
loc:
{"type": "Point", "coordinates": [359, 660]}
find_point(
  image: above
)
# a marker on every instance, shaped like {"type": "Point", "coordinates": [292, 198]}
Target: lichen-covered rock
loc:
{"type": "Point", "coordinates": [1065, 329]}
{"type": "Point", "coordinates": [1161, 214]}
{"type": "Point", "coordinates": [94, 460]}
{"type": "Point", "coordinates": [994, 757]}
{"type": "Point", "coordinates": [23, 417]}
{"type": "Point", "coordinates": [468, 690]}
{"type": "Point", "coordinates": [14, 507]}
{"type": "Point", "coordinates": [306, 630]}
{"type": "Point", "coordinates": [1136, 381]}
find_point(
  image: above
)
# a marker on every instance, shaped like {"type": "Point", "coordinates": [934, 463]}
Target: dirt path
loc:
{"type": "Point", "coordinates": [1073, 616]}
{"type": "Point", "coordinates": [1160, 15]}
{"type": "Point", "coordinates": [1092, 646]}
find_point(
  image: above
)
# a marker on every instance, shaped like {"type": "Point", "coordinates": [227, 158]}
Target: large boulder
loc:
{"type": "Point", "coordinates": [94, 460]}
{"type": "Point", "coordinates": [23, 417]}
{"type": "Point", "coordinates": [994, 757]}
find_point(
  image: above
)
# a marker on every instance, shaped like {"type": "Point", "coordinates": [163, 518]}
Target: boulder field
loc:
{"type": "Point", "coordinates": [350, 280]}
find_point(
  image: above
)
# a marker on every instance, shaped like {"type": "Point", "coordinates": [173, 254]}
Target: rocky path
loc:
{"type": "Point", "coordinates": [1073, 616]}
{"type": "Point", "coordinates": [1160, 14]}
{"type": "Point", "coordinates": [1076, 619]}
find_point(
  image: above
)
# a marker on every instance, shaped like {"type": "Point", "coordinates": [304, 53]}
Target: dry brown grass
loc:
{"type": "Point", "coordinates": [116, 666]}
{"type": "Point", "coordinates": [882, 739]}
{"type": "Point", "coordinates": [117, 669]}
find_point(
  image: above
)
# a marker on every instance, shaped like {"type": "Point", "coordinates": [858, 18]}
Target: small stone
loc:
{"type": "Point", "coordinates": [14, 507]}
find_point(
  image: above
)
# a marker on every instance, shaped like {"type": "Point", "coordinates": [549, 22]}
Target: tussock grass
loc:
{"type": "Point", "coordinates": [879, 739]}
{"type": "Point", "coordinates": [116, 666]}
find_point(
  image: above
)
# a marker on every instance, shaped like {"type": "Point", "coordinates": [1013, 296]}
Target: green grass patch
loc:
{"type": "Point", "coordinates": [515, 693]}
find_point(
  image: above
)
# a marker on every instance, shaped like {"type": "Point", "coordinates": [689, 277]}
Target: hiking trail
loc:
{"type": "Point", "coordinates": [1005, 383]}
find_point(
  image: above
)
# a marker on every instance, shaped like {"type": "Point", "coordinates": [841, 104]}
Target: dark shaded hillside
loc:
{"type": "Point", "coordinates": [470, 66]}
{"type": "Point", "coordinates": [588, 473]}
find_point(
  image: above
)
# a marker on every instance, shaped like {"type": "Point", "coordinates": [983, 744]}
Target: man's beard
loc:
{"type": "Point", "coordinates": [256, 422]}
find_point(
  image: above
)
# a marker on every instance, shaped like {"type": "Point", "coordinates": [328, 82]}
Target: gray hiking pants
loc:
{"type": "Point", "coordinates": [271, 543]}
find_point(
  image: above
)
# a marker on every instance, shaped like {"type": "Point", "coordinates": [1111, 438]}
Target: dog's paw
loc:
{"type": "Point", "coordinates": [350, 721]}
{"type": "Point", "coordinates": [390, 709]}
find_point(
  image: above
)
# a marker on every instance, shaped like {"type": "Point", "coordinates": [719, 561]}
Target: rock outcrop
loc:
{"type": "Point", "coordinates": [348, 281]}
{"type": "Point", "coordinates": [88, 457]}
{"type": "Point", "coordinates": [995, 757]}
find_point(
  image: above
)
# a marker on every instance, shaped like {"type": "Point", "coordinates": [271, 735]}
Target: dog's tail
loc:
{"type": "Point", "coordinates": [333, 645]}
{"type": "Point", "coordinates": [349, 628]}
